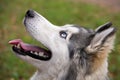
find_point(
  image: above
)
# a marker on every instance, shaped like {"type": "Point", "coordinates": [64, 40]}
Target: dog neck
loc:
{"type": "Point", "coordinates": [46, 76]}
{"type": "Point", "coordinates": [41, 76]}
{"type": "Point", "coordinates": [99, 74]}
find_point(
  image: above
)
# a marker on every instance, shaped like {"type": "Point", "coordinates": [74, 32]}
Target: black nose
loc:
{"type": "Point", "coordinates": [30, 13]}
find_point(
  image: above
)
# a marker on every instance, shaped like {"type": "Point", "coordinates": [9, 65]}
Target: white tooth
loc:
{"type": "Point", "coordinates": [18, 46]}
{"type": "Point", "coordinates": [31, 51]}
{"type": "Point", "coordinates": [41, 53]}
{"type": "Point", "coordinates": [36, 53]}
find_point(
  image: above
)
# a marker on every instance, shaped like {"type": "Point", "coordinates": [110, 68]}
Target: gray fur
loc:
{"type": "Point", "coordinates": [77, 53]}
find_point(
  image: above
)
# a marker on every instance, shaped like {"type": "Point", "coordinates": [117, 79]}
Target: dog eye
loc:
{"type": "Point", "coordinates": [63, 34]}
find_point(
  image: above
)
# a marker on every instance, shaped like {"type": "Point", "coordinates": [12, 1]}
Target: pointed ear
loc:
{"type": "Point", "coordinates": [103, 39]}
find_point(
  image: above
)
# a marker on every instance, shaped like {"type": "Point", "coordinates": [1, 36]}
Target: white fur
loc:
{"type": "Point", "coordinates": [48, 34]}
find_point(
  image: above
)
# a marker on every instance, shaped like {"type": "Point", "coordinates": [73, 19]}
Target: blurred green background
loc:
{"type": "Point", "coordinates": [59, 12]}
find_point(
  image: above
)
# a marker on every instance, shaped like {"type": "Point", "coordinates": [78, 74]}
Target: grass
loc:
{"type": "Point", "coordinates": [58, 12]}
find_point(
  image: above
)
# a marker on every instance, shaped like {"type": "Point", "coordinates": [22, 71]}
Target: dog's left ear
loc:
{"type": "Point", "coordinates": [103, 39]}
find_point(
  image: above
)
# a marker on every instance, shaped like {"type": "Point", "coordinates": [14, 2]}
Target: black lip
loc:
{"type": "Point", "coordinates": [27, 53]}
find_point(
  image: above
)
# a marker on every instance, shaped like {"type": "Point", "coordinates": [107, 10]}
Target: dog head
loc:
{"type": "Point", "coordinates": [62, 42]}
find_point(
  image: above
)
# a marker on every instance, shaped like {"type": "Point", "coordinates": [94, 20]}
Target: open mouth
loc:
{"type": "Point", "coordinates": [25, 49]}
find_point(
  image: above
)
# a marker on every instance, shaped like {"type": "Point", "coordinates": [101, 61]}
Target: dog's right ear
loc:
{"type": "Point", "coordinates": [103, 39]}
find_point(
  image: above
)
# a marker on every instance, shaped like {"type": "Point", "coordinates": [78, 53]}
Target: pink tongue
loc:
{"type": "Point", "coordinates": [15, 42]}
{"type": "Point", "coordinates": [26, 47]}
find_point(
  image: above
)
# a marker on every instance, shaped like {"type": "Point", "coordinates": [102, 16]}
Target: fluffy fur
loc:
{"type": "Point", "coordinates": [76, 53]}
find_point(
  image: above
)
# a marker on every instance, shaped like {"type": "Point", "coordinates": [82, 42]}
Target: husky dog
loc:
{"type": "Point", "coordinates": [73, 53]}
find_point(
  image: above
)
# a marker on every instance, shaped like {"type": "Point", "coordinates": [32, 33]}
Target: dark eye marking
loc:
{"type": "Point", "coordinates": [63, 34]}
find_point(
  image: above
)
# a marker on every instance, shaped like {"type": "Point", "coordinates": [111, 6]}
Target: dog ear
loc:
{"type": "Point", "coordinates": [103, 39]}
